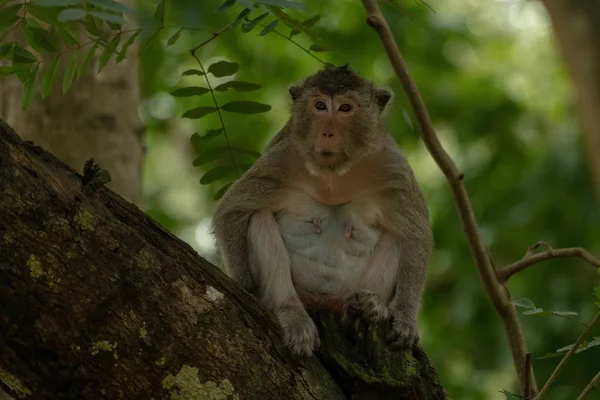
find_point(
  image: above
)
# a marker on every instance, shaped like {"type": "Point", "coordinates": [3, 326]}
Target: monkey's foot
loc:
{"type": "Point", "coordinates": [317, 225]}
{"type": "Point", "coordinates": [367, 305]}
{"type": "Point", "coordinates": [348, 232]}
{"type": "Point", "coordinates": [404, 333]}
{"type": "Point", "coordinates": [300, 334]}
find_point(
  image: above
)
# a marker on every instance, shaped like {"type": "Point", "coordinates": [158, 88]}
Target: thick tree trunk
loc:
{"type": "Point", "coordinates": [577, 28]}
{"type": "Point", "coordinates": [98, 117]}
{"type": "Point", "coordinates": [97, 301]}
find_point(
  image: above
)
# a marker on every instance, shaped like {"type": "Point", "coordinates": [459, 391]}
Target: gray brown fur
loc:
{"type": "Point", "coordinates": [251, 214]}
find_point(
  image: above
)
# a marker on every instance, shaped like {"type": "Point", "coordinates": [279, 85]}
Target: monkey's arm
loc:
{"type": "Point", "coordinates": [408, 221]}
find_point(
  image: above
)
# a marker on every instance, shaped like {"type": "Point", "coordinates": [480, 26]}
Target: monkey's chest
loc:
{"type": "Point", "coordinates": [329, 247]}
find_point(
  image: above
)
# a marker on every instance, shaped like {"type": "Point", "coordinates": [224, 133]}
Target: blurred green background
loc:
{"type": "Point", "coordinates": [502, 105]}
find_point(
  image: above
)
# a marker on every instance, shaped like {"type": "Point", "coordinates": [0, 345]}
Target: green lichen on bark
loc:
{"type": "Point", "coordinates": [35, 267]}
{"type": "Point", "coordinates": [186, 385]}
{"type": "Point", "coordinates": [86, 220]}
{"type": "Point", "coordinates": [13, 383]}
{"type": "Point", "coordinates": [104, 345]}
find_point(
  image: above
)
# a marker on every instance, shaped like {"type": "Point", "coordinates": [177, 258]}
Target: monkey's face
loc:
{"type": "Point", "coordinates": [336, 130]}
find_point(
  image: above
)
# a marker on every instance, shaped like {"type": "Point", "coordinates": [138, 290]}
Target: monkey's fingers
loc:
{"type": "Point", "coordinates": [402, 336]}
{"type": "Point", "coordinates": [367, 305]}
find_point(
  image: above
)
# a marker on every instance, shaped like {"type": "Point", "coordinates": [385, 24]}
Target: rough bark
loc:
{"type": "Point", "coordinates": [97, 301]}
{"type": "Point", "coordinates": [98, 117]}
{"type": "Point", "coordinates": [577, 28]}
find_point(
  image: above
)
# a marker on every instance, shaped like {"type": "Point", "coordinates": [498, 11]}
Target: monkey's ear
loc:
{"type": "Point", "coordinates": [383, 97]}
{"type": "Point", "coordinates": [295, 91]}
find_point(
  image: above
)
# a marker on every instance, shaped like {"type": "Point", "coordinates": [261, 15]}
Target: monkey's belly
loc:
{"type": "Point", "coordinates": [329, 257]}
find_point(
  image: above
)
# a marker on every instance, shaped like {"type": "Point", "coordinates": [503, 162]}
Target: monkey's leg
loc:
{"type": "Point", "coordinates": [376, 283]}
{"type": "Point", "coordinates": [270, 267]}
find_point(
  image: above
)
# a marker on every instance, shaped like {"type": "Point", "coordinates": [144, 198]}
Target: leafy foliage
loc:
{"type": "Point", "coordinates": [227, 156]}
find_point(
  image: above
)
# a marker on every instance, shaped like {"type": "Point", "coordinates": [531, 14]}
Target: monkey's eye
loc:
{"type": "Point", "coordinates": [320, 105]}
{"type": "Point", "coordinates": [345, 107]}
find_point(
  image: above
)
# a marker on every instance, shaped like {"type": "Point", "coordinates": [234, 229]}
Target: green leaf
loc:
{"type": "Point", "coordinates": [318, 48]}
{"type": "Point", "coordinates": [40, 39]}
{"type": "Point", "coordinates": [68, 33]}
{"type": "Point", "coordinates": [192, 72]}
{"type": "Point", "coordinates": [71, 14]}
{"type": "Point", "coordinates": [123, 52]}
{"type": "Point", "coordinates": [532, 312]}
{"type": "Point", "coordinates": [222, 191]}
{"type": "Point", "coordinates": [199, 112]}
{"type": "Point", "coordinates": [151, 40]}
{"type": "Point", "coordinates": [238, 86]}
{"type": "Point", "coordinates": [8, 15]}
{"type": "Point", "coordinates": [108, 51]}
{"type": "Point", "coordinates": [6, 50]}
{"type": "Point", "coordinates": [243, 14]}
{"type": "Point", "coordinates": [57, 3]}
{"type": "Point", "coordinates": [111, 5]}
{"type": "Point", "coordinates": [252, 153]}
{"type": "Point", "coordinates": [199, 142]}
{"type": "Point", "coordinates": [210, 155]}
{"type": "Point", "coordinates": [93, 25]}
{"type": "Point", "coordinates": [293, 23]}
{"type": "Point", "coordinates": [87, 60]}
{"type": "Point", "coordinates": [564, 313]}
{"type": "Point", "coordinates": [47, 15]}
{"type": "Point", "coordinates": [283, 3]}
{"type": "Point", "coordinates": [224, 6]}
{"type": "Point", "coordinates": [70, 72]}
{"type": "Point", "coordinates": [510, 396]}
{"type": "Point", "coordinates": [22, 56]}
{"type": "Point", "coordinates": [252, 24]}
{"type": "Point", "coordinates": [269, 28]}
{"type": "Point", "coordinates": [216, 173]}
{"type": "Point", "coordinates": [50, 77]}
{"type": "Point", "coordinates": [22, 71]}
{"type": "Point", "coordinates": [189, 91]}
{"type": "Point", "coordinates": [106, 16]}
{"type": "Point", "coordinates": [246, 107]}
{"type": "Point", "coordinates": [29, 88]}
{"type": "Point", "coordinates": [406, 116]}
{"type": "Point", "coordinates": [159, 15]}
{"type": "Point", "coordinates": [174, 38]}
{"type": "Point", "coordinates": [115, 26]}
{"type": "Point", "coordinates": [248, 4]}
{"type": "Point", "coordinates": [223, 68]}
{"type": "Point", "coordinates": [6, 71]}
{"type": "Point", "coordinates": [307, 23]}
{"type": "Point", "coordinates": [524, 302]}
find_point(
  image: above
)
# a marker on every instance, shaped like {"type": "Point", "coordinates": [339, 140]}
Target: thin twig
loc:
{"type": "Point", "coordinates": [527, 382]}
{"type": "Point", "coordinates": [213, 37]}
{"type": "Point", "coordinates": [496, 291]}
{"type": "Point", "coordinates": [591, 386]}
{"type": "Point", "coordinates": [564, 360]}
{"type": "Point", "coordinates": [289, 39]}
{"type": "Point", "coordinates": [505, 273]}
{"type": "Point", "coordinates": [212, 92]}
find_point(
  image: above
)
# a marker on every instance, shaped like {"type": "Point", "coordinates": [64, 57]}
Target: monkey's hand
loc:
{"type": "Point", "coordinates": [403, 331]}
{"type": "Point", "coordinates": [300, 333]}
{"type": "Point", "coordinates": [368, 306]}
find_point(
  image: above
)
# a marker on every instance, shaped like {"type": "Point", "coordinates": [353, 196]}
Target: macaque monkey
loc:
{"type": "Point", "coordinates": [330, 216]}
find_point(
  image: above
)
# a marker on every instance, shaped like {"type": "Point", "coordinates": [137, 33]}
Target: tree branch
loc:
{"type": "Point", "coordinates": [564, 360]}
{"type": "Point", "coordinates": [591, 386]}
{"type": "Point", "coordinates": [496, 291]}
{"type": "Point", "coordinates": [529, 259]}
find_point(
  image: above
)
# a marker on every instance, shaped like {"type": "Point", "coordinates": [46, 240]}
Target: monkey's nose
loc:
{"type": "Point", "coordinates": [328, 135]}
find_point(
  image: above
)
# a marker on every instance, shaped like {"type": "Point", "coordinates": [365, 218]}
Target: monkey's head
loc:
{"type": "Point", "coordinates": [336, 118]}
